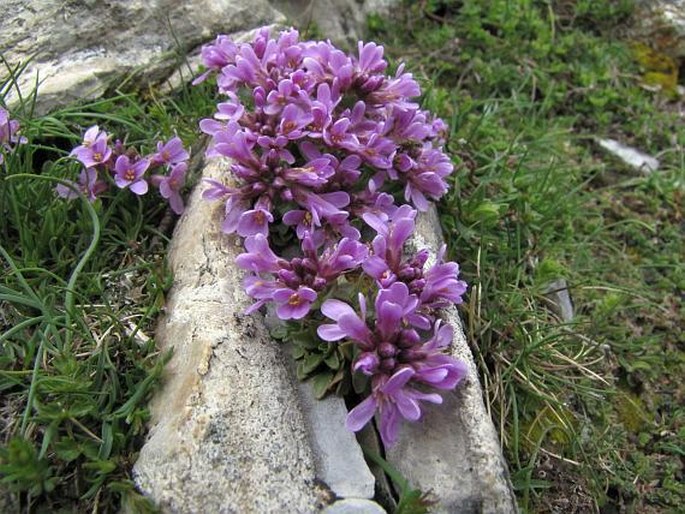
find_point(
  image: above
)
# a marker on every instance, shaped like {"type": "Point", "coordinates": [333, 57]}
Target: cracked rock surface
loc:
{"type": "Point", "coordinates": [227, 434]}
{"type": "Point", "coordinates": [82, 49]}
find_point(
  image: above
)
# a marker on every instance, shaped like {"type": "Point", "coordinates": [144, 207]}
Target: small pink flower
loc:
{"type": "Point", "coordinates": [130, 174]}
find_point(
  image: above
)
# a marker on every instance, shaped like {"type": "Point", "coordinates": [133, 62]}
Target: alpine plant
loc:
{"type": "Point", "coordinates": [339, 151]}
{"type": "Point", "coordinates": [104, 162]}
{"type": "Point", "coordinates": [332, 153]}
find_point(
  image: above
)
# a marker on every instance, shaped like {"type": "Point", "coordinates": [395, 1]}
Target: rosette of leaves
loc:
{"type": "Point", "coordinates": [327, 365]}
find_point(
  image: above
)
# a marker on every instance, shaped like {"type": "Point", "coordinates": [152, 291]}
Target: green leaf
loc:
{"type": "Point", "coordinates": [311, 362]}
{"type": "Point", "coordinates": [321, 383]}
{"type": "Point", "coordinates": [360, 382]}
{"type": "Point", "coordinates": [298, 352]}
{"type": "Point", "coordinates": [333, 361]}
{"type": "Point", "coordinates": [67, 450]}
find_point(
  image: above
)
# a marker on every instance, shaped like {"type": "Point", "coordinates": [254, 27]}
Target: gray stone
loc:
{"type": "Point", "coordinates": [342, 21]}
{"type": "Point", "coordinates": [354, 506]}
{"type": "Point", "coordinates": [78, 50]}
{"type": "Point", "coordinates": [226, 431]}
{"type": "Point", "coordinates": [633, 157]}
{"type": "Point", "coordinates": [559, 299]}
{"type": "Point", "coordinates": [454, 451]}
{"type": "Point", "coordinates": [338, 458]}
{"type": "Point", "coordinates": [370, 440]}
{"type": "Point", "coordinates": [661, 24]}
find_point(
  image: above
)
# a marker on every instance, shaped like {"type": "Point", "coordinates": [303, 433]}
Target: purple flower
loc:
{"type": "Point", "coordinates": [88, 184]}
{"type": "Point", "coordinates": [341, 257]}
{"type": "Point", "coordinates": [302, 219]}
{"type": "Point", "coordinates": [442, 286]}
{"type": "Point", "coordinates": [389, 243]}
{"type": "Point", "coordinates": [432, 366]}
{"type": "Point", "coordinates": [255, 221]}
{"type": "Point", "coordinates": [216, 56]}
{"type": "Point", "coordinates": [293, 121]}
{"type": "Point", "coordinates": [259, 257]}
{"type": "Point", "coordinates": [293, 304]}
{"type": "Point", "coordinates": [172, 152]}
{"type": "Point", "coordinates": [95, 150]}
{"type": "Point", "coordinates": [170, 186]}
{"type": "Point", "coordinates": [348, 324]}
{"type": "Point", "coordinates": [130, 174]}
{"type": "Point", "coordinates": [393, 399]}
{"type": "Point", "coordinates": [371, 58]}
{"type": "Point", "coordinates": [9, 133]}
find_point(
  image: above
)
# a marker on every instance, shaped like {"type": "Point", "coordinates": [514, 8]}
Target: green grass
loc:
{"type": "Point", "coordinates": [81, 286]}
{"type": "Point", "coordinates": [590, 412]}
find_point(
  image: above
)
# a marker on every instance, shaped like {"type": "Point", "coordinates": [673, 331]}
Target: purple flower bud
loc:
{"type": "Point", "coordinates": [386, 350]}
{"type": "Point", "coordinates": [367, 363]}
{"type": "Point", "coordinates": [388, 365]}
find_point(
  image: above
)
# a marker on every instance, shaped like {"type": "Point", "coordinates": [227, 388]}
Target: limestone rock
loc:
{"type": "Point", "coordinates": [338, 458]}
{"type": "Point", "coordinates": [454, 451]}
{"type": "Point", "coordinates": [79, 48]}
{"type": "Point", "coordinates": [227, 434]}
{"type": "Point", "coordinates": [632, 157]}
{"type": "Point", "coordinates": [342, 21]}
{"type": "Point", "coordinates": [559, 298]}
{"type": "Point", "coordinates": [354, 506]}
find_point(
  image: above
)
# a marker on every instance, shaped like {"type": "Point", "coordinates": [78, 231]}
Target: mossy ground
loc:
{"type": "Point", "coordinates": [590, 412]}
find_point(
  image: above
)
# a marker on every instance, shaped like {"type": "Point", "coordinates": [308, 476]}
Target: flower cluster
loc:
{"type": "Point", "coordinates": [104, 162]}
{"type": "Point", "coordinates": [326, 143]}
{"type": "Point", "coordinates": [319, 131]}
{"type": "Point", "coordinates": [9, 134]}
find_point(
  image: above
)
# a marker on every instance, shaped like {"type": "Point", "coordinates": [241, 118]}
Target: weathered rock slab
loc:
{"type": "Point", "coordinates": [338, 458]}
{"type": "Point", "coordinates": [354, 506]}
{"type": "Point", "coordinates": [454, 451]}
{"type": "Point", "coordinates": [79, 49]}
{"type": "Point", "coordinates": [227, 434]}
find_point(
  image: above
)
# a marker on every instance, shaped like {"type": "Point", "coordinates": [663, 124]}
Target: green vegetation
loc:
{"type": "Point", "coordinates": [590, 411]}
{"type": "Point", "coordinates": [81, 286]}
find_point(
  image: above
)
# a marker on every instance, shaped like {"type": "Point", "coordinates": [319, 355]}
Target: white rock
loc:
{"type": "Point", "coordinates": [454, 451]}
{"type": "Point", "coordinates": [631, 156]}
{"type": "Point", "coordinates": [338, 458]}
{"type": "Point", "coordinates": [354, 506]}
{"type": "Point", "coordinates": [560, 299]}
{"type": "Point", "coordinates": [227, 434]}
{"type": "Point", "coordinates": [79, 50]}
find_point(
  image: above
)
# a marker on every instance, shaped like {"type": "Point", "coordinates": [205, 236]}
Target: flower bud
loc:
{"type": "Point", "coordinates": [287, 195]}
{"type": "Point", "coordinates": [406, 274]}
{"type": "Point", "coordinates": [386, 350]}
{"type": "Point", "coordinates": [410, 355]}
{"type": "Point", "coordinates": [367, 363]}
{"type": "Point", "coordinates": [318, 284]}
{"type": "Point", "coordinates": [417, 285]}
{"type": "Point", "coordinates": [388, 365]}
